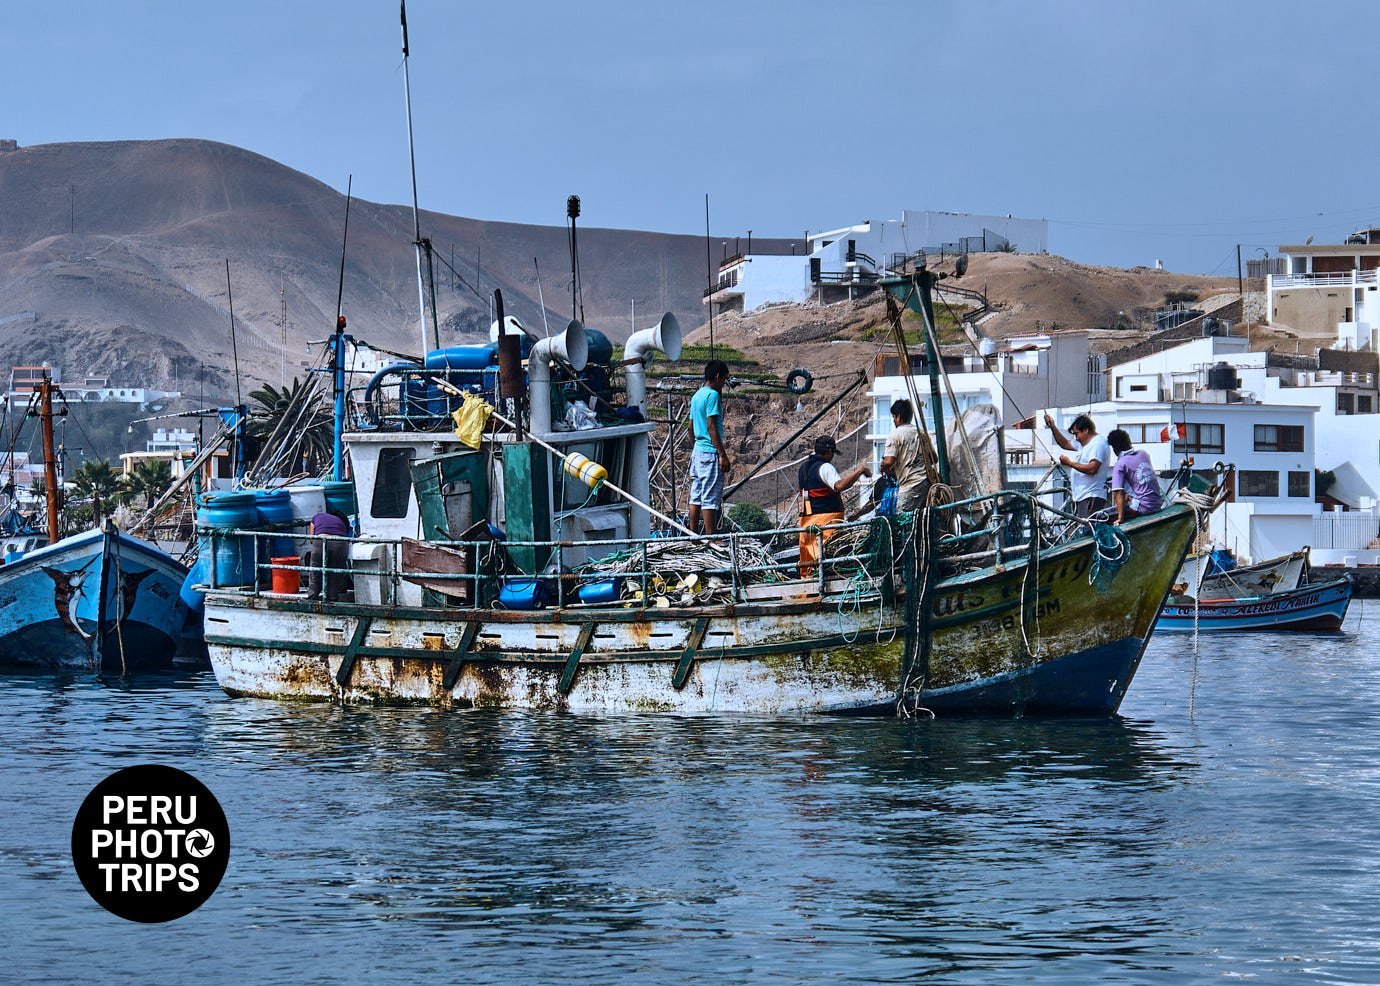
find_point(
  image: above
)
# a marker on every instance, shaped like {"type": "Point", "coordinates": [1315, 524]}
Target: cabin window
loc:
{"type": "Point", "coordinates": [1279, 438]}
{"type": "Point", "coordinates": [393, 484]}
{"type": "Point", "coordinates": [1257, 483]}
{"type": "Point", "coordinates": [1365, 404]}
{"type": "Point", "coordinates": [1300, 484]}
{"type": "Point", "coordinates": [1205, 439]}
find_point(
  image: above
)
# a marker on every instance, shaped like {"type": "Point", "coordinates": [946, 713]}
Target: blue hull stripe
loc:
{"type": "Point", "coordinates": [1088, 682]}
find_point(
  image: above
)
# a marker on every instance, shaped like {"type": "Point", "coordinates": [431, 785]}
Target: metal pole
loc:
{"type": "Point", "coordinates": [416, 221]}
{"type": "Point", "coordinates": [50, 480]}
{"type": "Point", "coordinates": [924, 281]}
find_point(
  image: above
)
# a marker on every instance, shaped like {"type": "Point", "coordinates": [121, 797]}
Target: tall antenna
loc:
{"type": "Point", "coordinates": [577, 301]}
{"type": "Point", "coordinates": [416, 221]}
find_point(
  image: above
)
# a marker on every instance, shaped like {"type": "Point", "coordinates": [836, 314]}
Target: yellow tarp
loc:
{"type": "Point", "coordinates": [471, 418]}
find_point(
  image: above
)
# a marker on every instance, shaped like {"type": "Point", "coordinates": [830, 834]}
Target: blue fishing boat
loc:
{"type": "Point", "coordinates": [102, 600]}
{"type": "Point", "coordinates": [1320, 606]}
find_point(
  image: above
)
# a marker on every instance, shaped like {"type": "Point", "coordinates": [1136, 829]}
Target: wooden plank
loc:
{"type": "Point", "coordinates": [347, 663]}
{"type": "Point", "coordinates": [687, 659]}
{"type": "Point", "coordinates": [572, 664]}
{"type": "Point", "coordinates": [462, 650]}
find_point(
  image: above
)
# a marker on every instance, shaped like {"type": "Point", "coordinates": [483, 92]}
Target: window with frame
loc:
{"type": "Point", "coordinates": [393, 485]}
{"type": "Point", "coordinates": [1365, 404]}
{"type": "Point", "coordinates": [1206, 439]}
{"type": "Point", "coordinates": [1279, 438]}
{"type": "Point", "coordinates": [1344, 403]}
{"type": "Point", "coordinates": [1257, 483]}
{"type": "Point", "coordinates": [1300, 483]}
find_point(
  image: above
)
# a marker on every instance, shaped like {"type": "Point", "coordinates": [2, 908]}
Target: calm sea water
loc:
{"type": "Point", "coordinates": [1239, 840]}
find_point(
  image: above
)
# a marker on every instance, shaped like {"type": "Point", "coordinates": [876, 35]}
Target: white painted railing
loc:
{"type": "Point", "coordinates": [1337, 529]}
{"type": "Point", "coordinates": [1324, 280]}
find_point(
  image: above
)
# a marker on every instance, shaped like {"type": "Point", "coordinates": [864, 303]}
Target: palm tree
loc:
{"type": "Point", "coordinates": [96, 481]}
{"type": "Point", "coordinates": [148, 480]}
{"type": "Point", "coordinates": [296, 416]}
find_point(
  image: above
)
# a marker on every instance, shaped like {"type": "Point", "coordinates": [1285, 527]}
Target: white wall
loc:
{"type": "Point", "coordinates": [765, 279]}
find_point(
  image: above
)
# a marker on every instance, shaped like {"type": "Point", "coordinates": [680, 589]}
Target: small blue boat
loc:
{"type": "Point", "coordinates": [1318, 606]}
{"type": "Point", "coordinates": [103, 600]}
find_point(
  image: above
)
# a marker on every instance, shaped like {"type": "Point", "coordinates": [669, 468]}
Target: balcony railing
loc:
{"type": "Point", "coordinates": [1325, 280]}
{"type": "Point", "coordinates": [725, 282]}
{"type": "Point", "coordinates": [855, 276]}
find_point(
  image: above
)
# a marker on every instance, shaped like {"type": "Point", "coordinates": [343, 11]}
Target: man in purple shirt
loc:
{"type": "Point", "coordinates": [1135, 487]}
{"type": "Point", "coordinates": [336, 556]}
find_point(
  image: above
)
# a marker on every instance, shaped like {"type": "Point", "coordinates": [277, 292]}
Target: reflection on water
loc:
{"type": "Point", "coordinates": [483, 846]}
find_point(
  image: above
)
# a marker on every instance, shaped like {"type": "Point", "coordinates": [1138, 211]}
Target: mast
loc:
{"type": "Point", "coordinates": [924, 283]}
{"type": "Point", "coordinates": [416, 221]}
{"type": "Point", "coordinates": [54, 495]}
{"type": "Point", "coordinates": [339, 339]}
{"type": "Point", "coordinates": [916, 292]}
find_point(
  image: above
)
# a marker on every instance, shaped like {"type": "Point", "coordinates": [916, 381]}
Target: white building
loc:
{"type": "Point", "coordinates": [1022, 378]}
{"type": "Point", "coordinates": [1347, 401]}
{"type": "Point", "coordinates": [1330, 287]}
{"type": "Point", "coordinates": [841, 262]}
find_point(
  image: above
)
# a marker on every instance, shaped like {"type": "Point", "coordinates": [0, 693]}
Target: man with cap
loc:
{"type": "Point", "coordinates": [821, 498]}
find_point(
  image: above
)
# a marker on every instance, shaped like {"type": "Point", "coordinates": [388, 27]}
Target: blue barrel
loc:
{"type": "Point", "coordinates": [229, 511]}
{"type": "Point", "coordinates": [273, 507]}
{"type": "Point", "coordinates": [232, 557]}
{"type": "Point", "coordinates": [603, 591]}
{"type": "Point", "coordinates": [340, 496]}
{"type": "Point", "coordinates": [462, 358]}
{"type": "Point", "coordinates": [522, 594]}
{"type": "Point", "coordinates": [192, 598]}
{"type": "Point", "coordinates": [599, 347]}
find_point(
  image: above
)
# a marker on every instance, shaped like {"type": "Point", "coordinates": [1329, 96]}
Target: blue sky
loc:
{"type": "Point", "coordinates": [1165, 130]}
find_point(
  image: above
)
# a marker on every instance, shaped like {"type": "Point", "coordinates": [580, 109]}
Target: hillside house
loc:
{"type": "Point", "coordinates": [845, 262]}
{"type": "Point", "coordinates": [1330, 288]}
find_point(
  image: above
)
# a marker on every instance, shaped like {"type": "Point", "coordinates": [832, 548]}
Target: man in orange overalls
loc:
{"type": "Point", "coordinates": [821, 498]}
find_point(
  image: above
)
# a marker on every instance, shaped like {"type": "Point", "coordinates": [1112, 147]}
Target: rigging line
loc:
{"type": "Point", "coordinates": [233, 345]}
{"type": "Point", "coordinates": [957, 419]}
{"type": "Point", "coordinates": [541, 300]}
{"type": "Point", "coordinates": [460, 277]}
{"type": "Point", "coordinates": [96, 451]}
{"type": "Point", "coordinates": [344, 239]}
{"type": "Point", "coordinates": [709, 273]}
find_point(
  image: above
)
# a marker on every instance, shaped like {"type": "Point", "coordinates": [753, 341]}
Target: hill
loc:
{"type": "Point", "coordinates": [113, 260]}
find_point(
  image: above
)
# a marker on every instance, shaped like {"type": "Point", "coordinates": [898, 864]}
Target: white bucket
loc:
{"type": "Point", "coordinates": [307, 501]}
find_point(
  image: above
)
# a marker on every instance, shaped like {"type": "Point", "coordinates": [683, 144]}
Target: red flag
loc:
{"type": "Point", "coordinates": [1179, 429]}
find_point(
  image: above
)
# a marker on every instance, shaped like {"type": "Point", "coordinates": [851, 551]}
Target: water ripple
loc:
{"type": "Point", "coordinates": [424, 845]}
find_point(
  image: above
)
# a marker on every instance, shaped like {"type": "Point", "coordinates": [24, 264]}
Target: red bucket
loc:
{"type": "Point", "coordinates": [286, 580]}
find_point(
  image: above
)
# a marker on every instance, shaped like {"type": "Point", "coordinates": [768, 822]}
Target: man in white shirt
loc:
{"type": "Point", "coordinates": [1089, 467]}
{"type": "Point", "coordinates": [901, 459]}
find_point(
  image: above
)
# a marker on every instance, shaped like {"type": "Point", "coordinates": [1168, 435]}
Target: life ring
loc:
{"type": "Point", "coordinates": [799, 381]}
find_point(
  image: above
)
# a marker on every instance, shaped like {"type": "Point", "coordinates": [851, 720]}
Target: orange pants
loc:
{"type": "Point", "coordinates": [810, 545]}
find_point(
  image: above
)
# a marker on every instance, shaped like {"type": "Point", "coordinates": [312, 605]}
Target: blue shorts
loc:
{"type": "Point", "coordinates": [706, 481]}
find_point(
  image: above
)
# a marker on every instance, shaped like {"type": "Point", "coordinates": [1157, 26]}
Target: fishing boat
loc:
{"type": "Point", "coordinates": [1216, 580]}
{"type": "Point", "coordinates": [546, 579]}
{"type": "Point", "coordinates": [1311, 606]}
{"type": "Point", "coordinates": [101, 600]}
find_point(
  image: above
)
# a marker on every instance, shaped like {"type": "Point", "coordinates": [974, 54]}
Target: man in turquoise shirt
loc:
{"type": "Point", "coordinates": [709, 461]}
